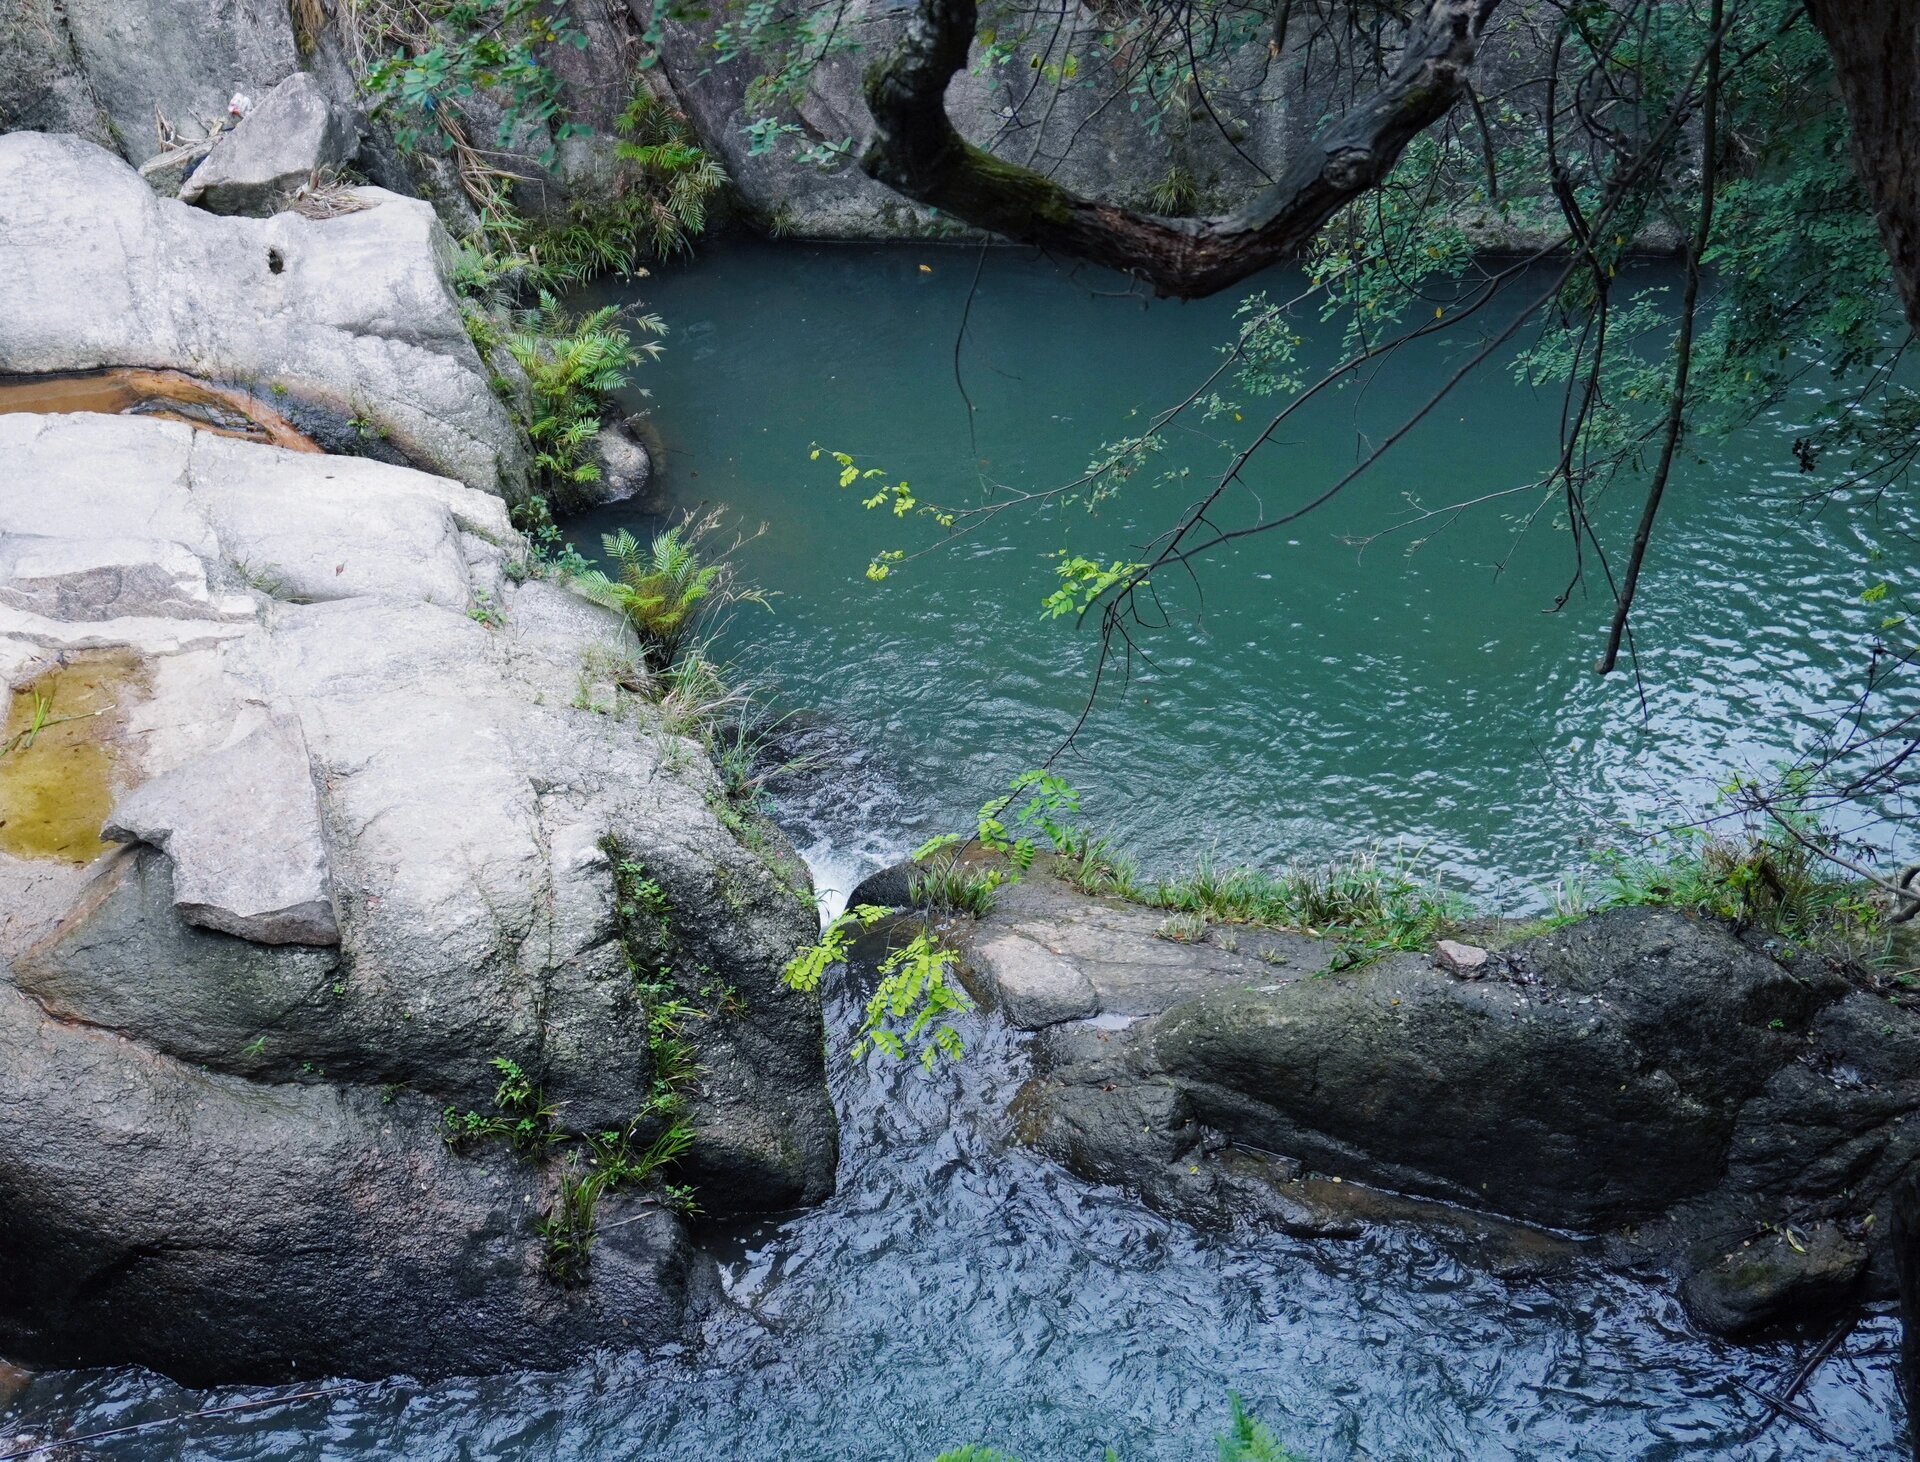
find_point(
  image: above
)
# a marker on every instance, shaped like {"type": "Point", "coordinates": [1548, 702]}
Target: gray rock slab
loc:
{"type": "Point", "coordinates": [1036, 988]}
{"type": "Point", "coordinates": [293, 133]}
{"type": "Point", "coordinates": [110, 578]}
{"type": "Point", "coordinates": [178, 59]}
{"type": "Point", "coordinates": [242, 827]}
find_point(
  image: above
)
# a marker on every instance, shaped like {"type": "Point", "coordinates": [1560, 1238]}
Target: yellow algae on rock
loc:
{"type": "Point", "coordinates": [62, 755]}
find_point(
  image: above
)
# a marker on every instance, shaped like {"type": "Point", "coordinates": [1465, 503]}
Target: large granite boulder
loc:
{"type": "Point", "coordinates": [293, 134]}
{"type": "Point", "coordinates": [329, 813]}
{"type": "Point", "coordinates": [1653, 1082]}
{"type": "Point", "coordinates": [42, 85]}
{"type": "Point", "coordinates": [348, 323]}
{"type": "Point", "coordinates": [148, 63]}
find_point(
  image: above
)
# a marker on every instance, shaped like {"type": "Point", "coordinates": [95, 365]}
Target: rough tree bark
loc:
{"type": "Point", "coordinates": [917, 152]}
{"type": "Point", "coordinates": [1876, 54]}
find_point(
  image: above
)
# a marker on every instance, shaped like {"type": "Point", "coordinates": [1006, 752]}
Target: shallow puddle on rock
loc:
{"type": "Point", "coordinates": [63, 757]}
{"type": "Point", "coordinates": [169, 395]}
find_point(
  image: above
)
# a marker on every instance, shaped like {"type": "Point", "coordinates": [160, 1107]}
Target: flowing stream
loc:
{"type": "Point", "coordinates": [956, 1288]}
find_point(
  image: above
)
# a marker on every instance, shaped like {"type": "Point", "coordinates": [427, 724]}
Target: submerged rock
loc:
{"type": "Point", "coordinates": [371, 847]}
{"type": "Point", "coordinates": [347, 322]}
{"type": "Point", "coordinates": [291, 136]}
{"type": "Point", "coordinates": [1644, 1079]}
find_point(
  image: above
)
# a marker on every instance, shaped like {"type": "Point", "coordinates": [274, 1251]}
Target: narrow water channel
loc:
{"type": "Point", "coordinates": [959, 1289]}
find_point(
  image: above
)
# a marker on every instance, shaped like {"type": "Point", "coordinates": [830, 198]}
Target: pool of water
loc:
{"type": "Point", "coordinates": [958, 1289]}
{"type": "Point", "coordinates": [1307, 698]}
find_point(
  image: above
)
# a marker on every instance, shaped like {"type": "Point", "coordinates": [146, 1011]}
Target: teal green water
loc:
{"type": "Point", "coordinates": [1306, 697]}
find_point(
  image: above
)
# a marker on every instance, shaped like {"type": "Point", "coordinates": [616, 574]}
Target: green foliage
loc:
{"type": "Point", "coordinates": [661, 589]}
{"type": "Point", "coordinates": [947, 886]}
{"type": "Point", "coordinates": [1248, 1440]}
{"type": "Point", "coordinates": [567, 1229]}
{"type": "Point", "coordinates": [1094, 865]}
{"type": "Point", "coordinates": [636, 896]}
{"type": "Point", "coordinates": [522, 1116]}
{"type": "Point", "coordinates": [1773, 876]}
{"type": "Point", "coordinates": [1083, 582]}
{"type": "Point", "coordinates": [448, 51]}
{"type": "Point", "coordinates": [915, 996]}
{"type": "Point", "coordinates": [1367, 903]}
{"type": "Point", "coordinates": [574, 366]}
{"type": "Point", "coordinates": [1040, 802]}
{"type": "Point", "coordinates": [807, 968]}
{"type": "Point", "coordinates": [671, 180]}
{"type": "Point", "coordinates": [1177, 193]}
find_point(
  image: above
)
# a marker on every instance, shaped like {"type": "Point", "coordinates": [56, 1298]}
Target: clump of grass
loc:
{"type": "Point", "coordinates": [1177, 193]}
{"type": "Point", "coordinates": [1182, 928]}
{"type": "Point", "coordinates": [944, 885]}
{"type": "Point", "coordinates": [1368, 901]}
{"type": "Point", "coordinates": [1095, 865]}
{"type": "Point", "coordinates": [1766, 878]}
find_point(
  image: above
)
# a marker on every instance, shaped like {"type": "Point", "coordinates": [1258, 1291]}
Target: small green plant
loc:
{"type": "Point", "coordinates": [675, 179]}
{"type": "Point", "coordinates": [1094, 865]}
{"type": "Point", "coordinates": [522, 1116]}
{"type": "Point", "coordinates": [947, 886]}
{"type": "Point", "coordinates": [915, 995]}
{"type": "Point", "coordinates": [639, 897]}
{"type": "Point", "coordinates": [1177, 193]}
{"type": "Point", "coordinates": [1248, 1440]}
{"type": "Point", "coordinates": [1182, 928]}
{"type": "Point", "coordinates": [39, 719]}
{"type": "Point", "coordinates": [567, 1230]}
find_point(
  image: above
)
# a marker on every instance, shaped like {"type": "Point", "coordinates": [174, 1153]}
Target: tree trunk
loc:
{"type": "Point", "coordinates": [1876, 53]}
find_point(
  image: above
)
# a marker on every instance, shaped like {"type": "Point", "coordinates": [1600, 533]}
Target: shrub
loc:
{"type": "Point", "coordinates": [664, 589]}
{"type": "Point", "coordinates": [574, 366]}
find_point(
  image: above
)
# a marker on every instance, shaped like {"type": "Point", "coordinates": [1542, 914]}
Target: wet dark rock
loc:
{"type": "Point", "coordinates": [1786, 1272]}
{"type": "Point", "coordinates": [1644, 1079]}
{"type": "Point", "coordinates": [890, 888]}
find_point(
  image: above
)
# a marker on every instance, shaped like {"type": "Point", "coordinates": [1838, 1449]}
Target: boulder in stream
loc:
{"type": "Point", "coordinates": [1650, 1083]}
